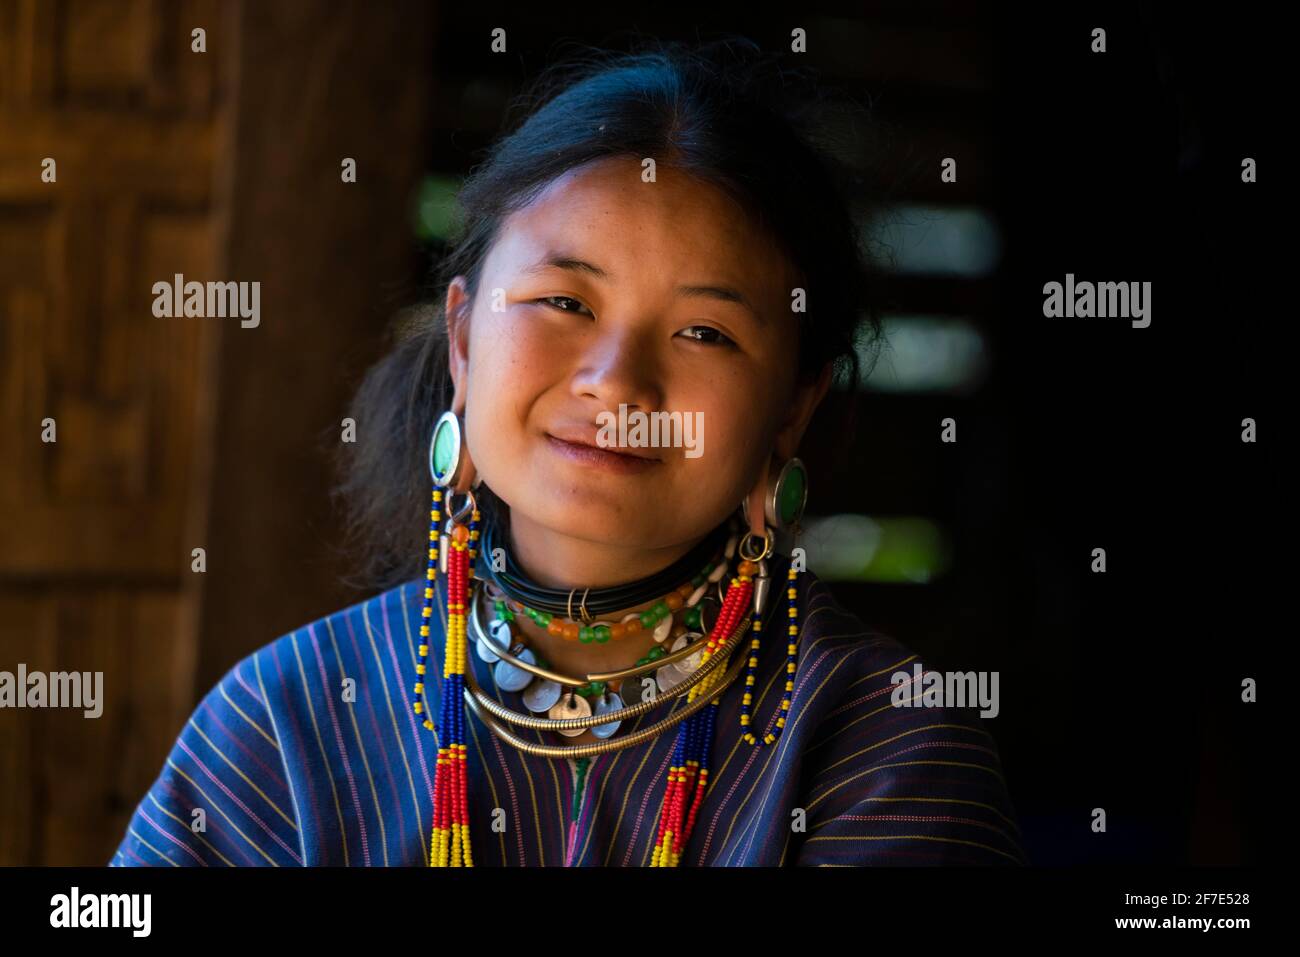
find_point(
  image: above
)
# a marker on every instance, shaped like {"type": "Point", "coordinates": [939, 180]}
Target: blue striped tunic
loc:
{"type": "Point", "coordinates": [288, 770]}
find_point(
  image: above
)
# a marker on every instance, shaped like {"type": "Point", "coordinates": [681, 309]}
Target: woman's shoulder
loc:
{"type": "Point", "coordinates": [245, 763]}
{"type": "Point", "coordinates": [874, 679]}
{"type": "Point", "coordinates": [370, 642]}
{"type": "Point", "coordinates": [830, 630]}
{"type": "Point", "coordinates": [395, 607]}
{"type": "Point", "coordinates": [900, 762]}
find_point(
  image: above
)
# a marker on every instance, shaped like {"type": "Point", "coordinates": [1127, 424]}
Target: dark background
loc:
{"type": "Point", "coordinates": [1119, 690]}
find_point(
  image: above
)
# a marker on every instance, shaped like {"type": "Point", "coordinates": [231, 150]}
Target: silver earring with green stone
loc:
{"type": "Point", "coordinates": [449, 460]}
{"type": "Point", "coordinates": [786, 496]}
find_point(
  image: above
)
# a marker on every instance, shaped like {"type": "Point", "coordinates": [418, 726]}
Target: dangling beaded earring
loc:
{"type": "Point", "coordinates": [453, 554]}
{"type": "Point", "coordinates": [688, 775]}
{"type": "Point", "coordinates": [783, 508]}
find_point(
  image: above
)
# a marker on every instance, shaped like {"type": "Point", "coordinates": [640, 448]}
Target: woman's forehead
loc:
{"type": "Point", "coordinates": [604, 213]}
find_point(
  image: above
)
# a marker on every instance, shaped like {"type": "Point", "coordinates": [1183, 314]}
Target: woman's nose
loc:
{"type": "Point", "coordinates": [620, 368]}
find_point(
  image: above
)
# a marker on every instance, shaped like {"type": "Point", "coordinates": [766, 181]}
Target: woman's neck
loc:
{"type": "Point", "coordinates": [560, 561]}
{"type": "Point", "coordinates": [564, 561]}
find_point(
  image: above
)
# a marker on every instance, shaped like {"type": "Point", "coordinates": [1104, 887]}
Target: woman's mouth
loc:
{"type": "Point", "coordinates": [611, 461]}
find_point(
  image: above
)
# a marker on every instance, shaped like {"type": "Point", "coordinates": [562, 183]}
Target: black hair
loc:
{"type": "Point", "coordinates": [723, 111]}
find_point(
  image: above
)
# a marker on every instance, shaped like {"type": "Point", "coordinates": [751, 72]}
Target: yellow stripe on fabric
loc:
{"type": "Point", "coordinates": [781, 747]}
{"type": "Point", "coordinates": [647, 854]}
{"type": "Point", "coordinates": [972, 823]}
{"type": "Point", "coordinates": [631, 784]}
{"type": "Point", "coordinates": [933, 800]}
{"type": "Point", "coordinates": [284, 761]}
{"type": "Point", "coordinates": [247, 780]}
{"type": "Point", "coordinates": [151, 847]}
{"type": "Point", "coordinates": [392, 715]}
{"type": "Point", "coordinates": [870, 714]}
{"type": "Point", "coordinates": [912, 837]}
{"type": "Point", "coordinates": [532, 787]}
{"type": "Point", "coordinates": [876, 674]}
{"type": "Point", "coordinates": [736, 741]}
{"type": "Point", "coordinates": [437, 669]}
{"type": "Point", "coordinates": [188, 826]}
{"type": "Point", "coordinates": [783, 743]}
{"type": "Point", "coordinates": [325, 761]}
{"type": "Point", "coordinates": [214, 804]}
{"type": "Point", "coordinates": [901, 764]}
{"type": "Point", "coordinates": [600, 797]}
{"type": "Point", "coordinates": [361, 744]}
{"type": "Point", "coordinates": [778, 675]}
{"type": "Point", "coordinates": [903, 734]}
{"type": "Point", "coordinates": [253, 724]}
{"type": "Point", "coordinates": [492, 786]}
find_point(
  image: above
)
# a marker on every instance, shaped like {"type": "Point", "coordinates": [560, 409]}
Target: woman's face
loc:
{"type": "Point", "coordinates": [660, 296]}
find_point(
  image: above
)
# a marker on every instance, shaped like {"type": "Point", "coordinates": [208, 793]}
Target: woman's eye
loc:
{"type": "Point", "coordinates": [552, 301]}
{"type": "Point", "coordinates": [710, 336]}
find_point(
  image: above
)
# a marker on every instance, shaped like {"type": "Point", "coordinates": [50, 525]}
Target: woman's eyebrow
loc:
{"type": "Point", "coordinates": [722, 293]}
{"type": "Point", "coordinates": [573, 264]}
{"type": "Point", "coordinates": [562, 261]}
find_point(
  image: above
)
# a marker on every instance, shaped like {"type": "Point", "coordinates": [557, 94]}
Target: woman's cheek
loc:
{"type": "Point", "coordinates": [509, 355]}
{"type": "Point", "coordinates": [722, 437]}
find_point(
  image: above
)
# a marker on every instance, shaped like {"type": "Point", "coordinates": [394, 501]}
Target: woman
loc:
{"type": "Point", "coordinates": [594, 653]}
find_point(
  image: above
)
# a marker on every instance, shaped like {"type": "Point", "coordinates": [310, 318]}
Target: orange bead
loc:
{"type": "Point", "coordinates": [555, 627]}
{"type": "Point", "coordinates": [673, 601]}
{"type": "Point", "coordinates": [571, 631]}
{"type": "Point", "coordinates": [686, 590]}
{"type": "Point", "coordinates": [461, 534]}
{"type": "Point", "coordinates": [617, 631]}
{"type": "Point", "coordinates": [633, 625]}
{"type": "Point", "coordinates": [747, 568]}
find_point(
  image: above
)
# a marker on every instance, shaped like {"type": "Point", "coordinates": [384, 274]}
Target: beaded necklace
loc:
{"type": "Point", "coordinates": [688, 774]}
{"type": "Point", "coordinates": [544, 695]}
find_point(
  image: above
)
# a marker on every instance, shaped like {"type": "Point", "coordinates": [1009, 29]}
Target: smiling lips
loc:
{"type": "Point", "coordinates": [581, 448]}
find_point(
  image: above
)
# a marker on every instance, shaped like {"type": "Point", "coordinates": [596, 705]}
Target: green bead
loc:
{"type": "Point", "coordinates": [656, 653]}
{"type": "Point", "coordinates": [692, 617]}
{"type": "Point", "coordinates": [647, 620]}
{"type": "Point", "coordinates": [543, 618]}
{"type": "Point", "coordinates": [585, 634]}
{"type": "Point", "coordinates": [662, 609]}
{"type": "Point", "coordinates": [602, 633]}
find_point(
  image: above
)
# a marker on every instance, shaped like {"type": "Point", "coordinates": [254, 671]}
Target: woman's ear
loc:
{"type": "Point", "coordinates": [457, 313]}
{"type": "Point", "coordinates": [807, 396]}
{"type": "Point", "coordinates": [757, 520]}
